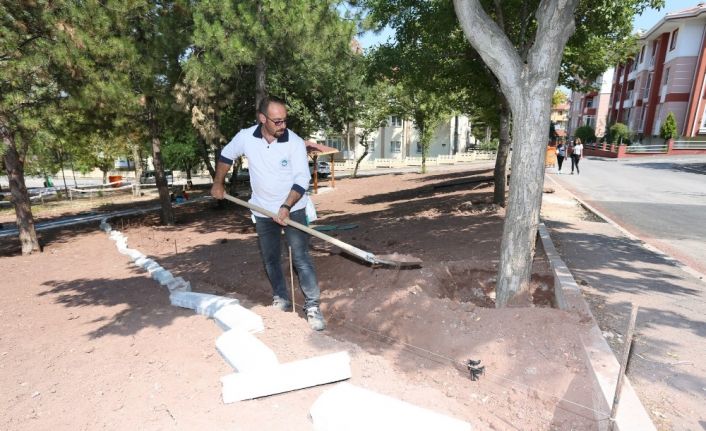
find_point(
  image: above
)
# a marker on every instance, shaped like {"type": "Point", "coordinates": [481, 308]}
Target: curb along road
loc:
{"type": "Point", "coordinates": [615, 269]}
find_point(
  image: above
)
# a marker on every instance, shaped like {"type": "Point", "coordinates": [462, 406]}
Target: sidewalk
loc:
{"type": "Point", "coordinates": [615, 271]}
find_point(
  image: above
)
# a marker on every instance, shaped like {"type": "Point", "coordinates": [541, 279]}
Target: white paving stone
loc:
{"type": "Point", "coordinates": [346, 407]}
{"type": "Point", "coordinates": [203, 303]}
{"type": "Point", "coordinates": [162, 276]}
{"type": "Point", "coordinates": [142, 261]}
{"type": "Point", "coordinates": [244, 352]}
{"type": "Point", "coordinates": [286, 377]}
{"type": "Point", "coordinates": [235, 316]}
{"type": "Point", "coordinates": [178, 284]}
{"type": "Point", "coordinates": [154, 268]}
{"type": "Point", "coordinates": [134, 254]}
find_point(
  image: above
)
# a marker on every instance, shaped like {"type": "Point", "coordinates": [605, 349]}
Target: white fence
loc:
{"type": "Point", "coordinates": [416, 161]}
{"type": "Point", "coordinates": [645, 149]}
{"type": "Point", "coordinates": [689, 145]}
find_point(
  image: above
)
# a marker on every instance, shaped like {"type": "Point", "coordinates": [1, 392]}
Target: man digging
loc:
{"type": "Point", "coordinates": [279, 176]}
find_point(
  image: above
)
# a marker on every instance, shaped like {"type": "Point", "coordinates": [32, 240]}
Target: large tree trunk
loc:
{"type": "Point", "coordinates": [500, 172]}
{"type": "Point", "coordinates": [530, 118]}
{"type": "Point", "coordinates": [20, 197]}
{"type": "Point", "coordinates": [167, 213]}
{"type": "Point", "coordinates": [528, 78]}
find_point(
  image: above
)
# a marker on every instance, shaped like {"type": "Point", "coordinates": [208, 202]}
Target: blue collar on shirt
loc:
{"type": "Point", "coordinates": [258, 134]}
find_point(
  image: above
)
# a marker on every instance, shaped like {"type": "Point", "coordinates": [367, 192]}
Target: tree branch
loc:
{"type": "Point", "coordinates": [491, 42]}
{"type": "Point", "coordinates": [499, 17]}
{"type": "Point", "coordinates": [555, 24]}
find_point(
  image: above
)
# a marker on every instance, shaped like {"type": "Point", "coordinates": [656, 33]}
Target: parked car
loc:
{"type": "Point", "coordinates": [323, 169]}
{"type": "Point", "coordinates": [149, 178]}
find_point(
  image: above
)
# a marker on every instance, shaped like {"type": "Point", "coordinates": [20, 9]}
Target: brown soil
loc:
{"type": "Point", "coordinates": [90, 342]}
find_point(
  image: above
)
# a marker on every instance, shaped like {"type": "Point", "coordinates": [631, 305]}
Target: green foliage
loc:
{"type": "Point", "coordinates": [669, 127]}
{"type": "Point", "coordinates": [180, 150]}
{"type": "Point", "coordinates": [603, 37]}
{"type": "Point", "coordinates": [559, 98]}
{"type": "Point", "coordinates": [620, 134]}
{"type": "Point", "coordinates": [305, 48]}
{"type": "Point", "coordinates": [491, 145]}
{"type": "Point", "coordinates": [586, 133]}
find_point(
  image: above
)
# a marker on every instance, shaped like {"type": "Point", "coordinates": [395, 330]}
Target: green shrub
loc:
{"type": "Point", "coordinates": [491, 145]}
{"type": "Point", "coordinates": [586, 133]}
{"type": "Point", "coordinates": [669, 127]}
{"type": "Point", "coordinates": [620, 133]}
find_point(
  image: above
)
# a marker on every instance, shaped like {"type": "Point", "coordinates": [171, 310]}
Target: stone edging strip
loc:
{"type": "Point", "coordinates": [601, 361]}
{"type": "Point", "coordinates": [258, 371]}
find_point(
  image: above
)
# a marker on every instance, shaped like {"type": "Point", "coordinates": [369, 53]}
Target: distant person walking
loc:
{"type": "Point", "coordinates": [560, 155]}
{"type": "Point", "coordinates": [576, 155]}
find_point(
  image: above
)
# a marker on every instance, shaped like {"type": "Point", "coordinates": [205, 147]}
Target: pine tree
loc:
{"type": "Point", "coordinates": [41, 48]}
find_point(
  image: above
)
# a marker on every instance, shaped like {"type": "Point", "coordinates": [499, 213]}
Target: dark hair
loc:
{"type": "Point", "coordinates": [265, 103]}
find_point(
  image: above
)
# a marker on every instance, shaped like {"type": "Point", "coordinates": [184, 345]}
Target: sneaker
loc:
{"type": "Point", "coordinates": [281, 303]}
{"type": "Point", "coordinates": [315, 318]}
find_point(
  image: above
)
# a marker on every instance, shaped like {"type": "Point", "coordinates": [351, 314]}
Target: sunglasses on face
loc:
{"type": "Point", "coordinates": [276, 122]}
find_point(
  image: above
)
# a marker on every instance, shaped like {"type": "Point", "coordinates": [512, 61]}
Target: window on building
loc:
{"type": "Point", "coordinates": [589, 120]}
{"type": "Point", "coordinates": [642, 118]}
{"type": "Point", "coordinates": [395, 146]}
{"type": "Point", "coordinates": [702, 129]}
{"type": "Point", "coordinates": [419, 147]}
{"type": "Point", "coordinates": [334, 142]}
{"type": "Point", "coordinates": [646, 93]}
{"type": "Point", "coordinates": [654, 52]}
{"type": "Point", "coordinates": [673, 41]}
{"type": "Point", "coordinates": [395, 121]}
{"type": "Point", "coordinates": [371, 145]}
{"type": "Point", "coordinates": [642, 54]}
{"type": "Point", "coordinates": [666, 76]}
{"type": "Point", "coordinates": [589, 102]}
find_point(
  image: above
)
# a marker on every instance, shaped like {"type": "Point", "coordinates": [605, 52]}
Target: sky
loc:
{"type": "Point", "coordinates": [645, 21]}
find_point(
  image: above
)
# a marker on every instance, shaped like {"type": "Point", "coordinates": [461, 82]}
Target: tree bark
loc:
{"type": "Point", "coordinates": [522, 215]}
{"type": "Point", "coordinates": [500, 172]}
{"type": "Point", "coordinates": [528, 86]}
{"type": "Point", "coordinates": [167, 213]}
{"type": "Point", "coordinates": [20, 196]}
{"type": "Point", "coordinates": [360, 159]}
{"type": "Point", "coordinates": [138, 168]}
{"type": "Point", "coordinates": [203, 151]}
{"type": "Point", "coordinates": [260, 66]}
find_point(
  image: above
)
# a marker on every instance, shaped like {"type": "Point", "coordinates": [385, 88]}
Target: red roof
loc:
{"type": "Point", "coordinates": [315, 149]}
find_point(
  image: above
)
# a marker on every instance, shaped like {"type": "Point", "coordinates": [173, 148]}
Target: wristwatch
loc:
{"type": "Point", "coordinates": [286, 206]}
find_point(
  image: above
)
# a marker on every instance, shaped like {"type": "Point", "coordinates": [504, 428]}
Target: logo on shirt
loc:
{"type": "Point", "coordinates": [284, 163]}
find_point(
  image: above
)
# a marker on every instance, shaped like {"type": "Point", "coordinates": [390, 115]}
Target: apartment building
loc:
{"type": "Point", "coordinates": [560, 119]}
{"type": "Point", "coordinates": [666, 75]}
{"type": "Point", "coordinates": [398, 138]}
{"type": "Point", "coordinates": [591, 109]}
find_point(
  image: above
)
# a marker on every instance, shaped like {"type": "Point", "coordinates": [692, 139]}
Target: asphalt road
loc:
{"type": "Point", "coordinates": [661, 200]}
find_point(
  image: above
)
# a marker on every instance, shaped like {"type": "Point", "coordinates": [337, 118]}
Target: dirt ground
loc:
{"type": "Point", "coordinates": [88, 341]}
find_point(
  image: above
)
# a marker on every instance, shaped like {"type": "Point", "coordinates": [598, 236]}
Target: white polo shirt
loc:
{"type": "Point", "coordinates": [275, 168]}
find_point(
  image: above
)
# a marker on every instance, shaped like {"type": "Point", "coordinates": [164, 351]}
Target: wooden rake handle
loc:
{"type": "Point", "coordinates": [355, 251]}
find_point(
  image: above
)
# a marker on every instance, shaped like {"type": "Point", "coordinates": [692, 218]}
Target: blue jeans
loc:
{"type": "Point", "coordinates": [269, 234]}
